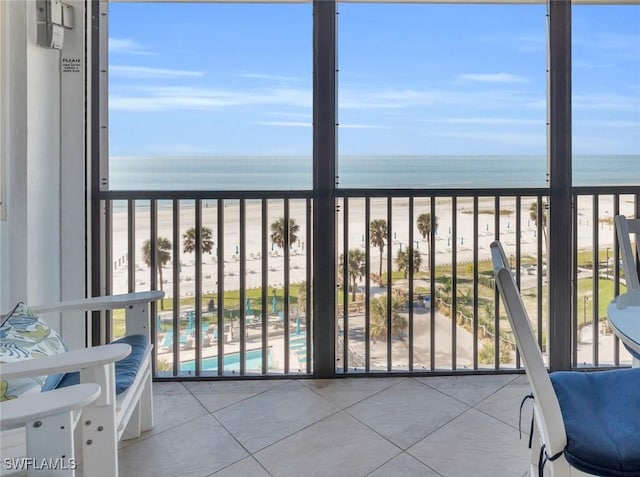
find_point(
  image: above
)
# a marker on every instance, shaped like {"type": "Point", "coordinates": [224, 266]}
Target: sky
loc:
{"type": "Point", "coordinates": [198, 79]}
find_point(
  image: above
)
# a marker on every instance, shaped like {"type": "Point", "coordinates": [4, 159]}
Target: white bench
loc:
{"type": "Point", "coordinates": [110, 417]}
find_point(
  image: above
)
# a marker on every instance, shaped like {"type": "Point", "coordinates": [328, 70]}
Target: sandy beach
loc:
{"type": "Point", "coordinates": [445, 237]}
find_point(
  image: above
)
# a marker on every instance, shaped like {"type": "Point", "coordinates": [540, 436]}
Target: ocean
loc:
{"type": "Point", "coordinates": [423, 172]}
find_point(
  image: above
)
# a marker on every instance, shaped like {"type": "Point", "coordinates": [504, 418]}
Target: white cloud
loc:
{"type": "Point", "coordinates": [409, 98]}
{"type": "Point", "coordinates": [189, 98]}
{"type": "Point", "coordinates": [488, 121]}
{"type": "Point", "coordinates": [493, 78]}
{"type": "Point", "coordinates": [143, 72]}
{"type": "Point", "coordinates": [606, 102]}
{"type": "Point", "coordinates": [270, 77]}
{"type": "Point", "coordinates": [127, 46]}
{"type": "Point", "coordinates": [294, 124]}
{"type": "Point", "coordinates": [362, 126]}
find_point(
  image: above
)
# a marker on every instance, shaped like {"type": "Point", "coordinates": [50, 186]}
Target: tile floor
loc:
{"type": "Point", "coordinates": [435, 426]}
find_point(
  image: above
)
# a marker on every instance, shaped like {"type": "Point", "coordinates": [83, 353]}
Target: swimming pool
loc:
{"type": "Point", "coordinates": [253, 361]}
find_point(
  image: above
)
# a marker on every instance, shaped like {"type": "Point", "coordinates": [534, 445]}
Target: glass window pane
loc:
{"type": "Point", "coordinates": [606, 94]}
{"type": "Point", "coordinates": [210, 96]}
{"type": "Point", "coordinates": [442, 95]}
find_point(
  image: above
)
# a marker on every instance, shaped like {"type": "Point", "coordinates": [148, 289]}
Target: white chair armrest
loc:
{"type": "Point", "coordinates": [75, 360]}
{"type": "Point", "coordinates": [18, 412]}
{"type": "Point", "coordinates": [98, 303]}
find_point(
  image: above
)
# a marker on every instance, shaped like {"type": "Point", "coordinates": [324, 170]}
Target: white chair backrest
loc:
{"type": "Point", "coordinates": [624, 228]}
{"type": "Point", "coordinates": [548, 415]}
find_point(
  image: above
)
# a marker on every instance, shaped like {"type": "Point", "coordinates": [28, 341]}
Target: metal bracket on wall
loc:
{"type": "Point", "coordinates": [53, 17]}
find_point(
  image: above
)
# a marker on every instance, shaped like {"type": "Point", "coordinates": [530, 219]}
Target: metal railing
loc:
{"type": "Point", "coordinates": [414, 283]}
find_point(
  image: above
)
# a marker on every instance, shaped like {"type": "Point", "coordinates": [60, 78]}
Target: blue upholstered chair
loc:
{"type": "Point", "coordinates": [585, 423]}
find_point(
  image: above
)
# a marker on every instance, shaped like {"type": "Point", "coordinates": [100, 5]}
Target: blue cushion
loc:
{"type": "Point", "coordinates": [126, 368]}
{"type": "Point", "coordinates": [601, 413]}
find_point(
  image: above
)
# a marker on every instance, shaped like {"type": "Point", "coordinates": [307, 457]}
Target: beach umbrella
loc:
{"type": "Point", "coordinates": [248, 306]}
{"type": "Point", "coordinates": [274, 305]}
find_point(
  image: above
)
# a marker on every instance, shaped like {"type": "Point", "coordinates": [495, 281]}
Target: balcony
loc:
{"type": "Point", "coordinates": [430, 284]}
{"type": "Point", "coordinates": [434, 426]}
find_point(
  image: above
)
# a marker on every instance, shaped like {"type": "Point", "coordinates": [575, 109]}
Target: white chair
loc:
{"type": "Point", "coordinates": [47, 422]}
{"type": "Point", "coordinates": [624, 228]}
{"type": "Point", "coordinates": [121, 411]}
{"type": "Point", "coordinates": [584, 423]}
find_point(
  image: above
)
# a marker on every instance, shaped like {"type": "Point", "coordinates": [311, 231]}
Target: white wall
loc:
{"type": "Point", "coordinates": [43, 233]}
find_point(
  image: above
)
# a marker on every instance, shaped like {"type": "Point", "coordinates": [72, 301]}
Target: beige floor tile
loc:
{"type": "Point", "coordinates": [505, 404]}
{"type": "Point", "coordinates": [404, 465]}
{"type": "Point", "coordinates": [468, 389]}
{"type": "Point", "coordinates": [273, 415]}
{"type": "Point", "coordinates": [216, 395]}
{"type": "Point", "coordinates": [407, 412]}
{"type": "Point", "coordinates": [247, 467]}
{"type": "Point", "coordinates": [336, 446]}
{"type": "Point", "coordinates": [172, 407]}
{"type": "Point", "coordinates": [474, 444]}
{"type": "Point", "coordinates": [197, 448]}
{"type": "Point", "coordinates": [347, 392]}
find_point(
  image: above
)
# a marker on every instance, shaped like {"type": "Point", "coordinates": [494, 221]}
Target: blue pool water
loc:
{"type": "Point", "coordinates": [253, 361]}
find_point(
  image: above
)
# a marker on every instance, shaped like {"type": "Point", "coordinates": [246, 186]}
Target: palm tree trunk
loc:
{"type": "Point", "coordinates": [381, 282]}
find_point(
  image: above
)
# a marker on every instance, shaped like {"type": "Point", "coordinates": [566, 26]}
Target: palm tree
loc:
{"type": "Point", "coordinates": [277, 232]}
{"type": "Point", "coordinates": [189, 240]}
{"type": "Point", "coordinates": [402, 260]}
{"type": "Point", "coordinates": [424, 227]}
{"type": "Point", "coordinates": [378, 232]}
{"type": "Point", "coordinates": [356, 268]}
{"type": "Point", "coordinates": [533, 215]}
{"type": "Point", "coordinates": [163, 255]}
{"type": "Point", "coordinates": [378, 325]}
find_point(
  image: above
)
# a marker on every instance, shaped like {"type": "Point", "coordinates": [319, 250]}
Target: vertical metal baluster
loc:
{"type": "Point", "coordinates": [454, 281]}
{"type": "Point", "coordinates": [518, 234]}
{"type": "Point", "coordinates": [367, 291]}
{"type": "Point", "coordinates": [389, 283]}
{"type": "Point", "coordinates": [432, 284]}
{"type": "Point", "coordinates": [541, 212]}
{"type": "Point", "coordinates": [345, 287]}
{"type": "Point", "coordinates": [309, 294]}
{"type": "Point", "coordinates": [221, 300]}
{"type": "Point", "coordinates": [496, 317]}
{"type": "Point", "coordinates": [108, 259]}
{"type": "Point", "coordinates": [410, 251]}
{"type": "Point", "coordinates": [175, 327]}
{"type": "Point", "coordinates": [616, 276]}
{"type": "Point", "coordinates": [476, 237]}
{"type": "Point", "coordinates": [575, 317]}
{"type": "Point", "coordinates": [594, 277]}
{"type": "Point", "coordinates": [265, 286]}
{"type": "Point", "coordinates": [243, 286]}
{"type": "Point", "coordinates": [198, 287]}
{"type": "Point", "coordinates": [285, 297]}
